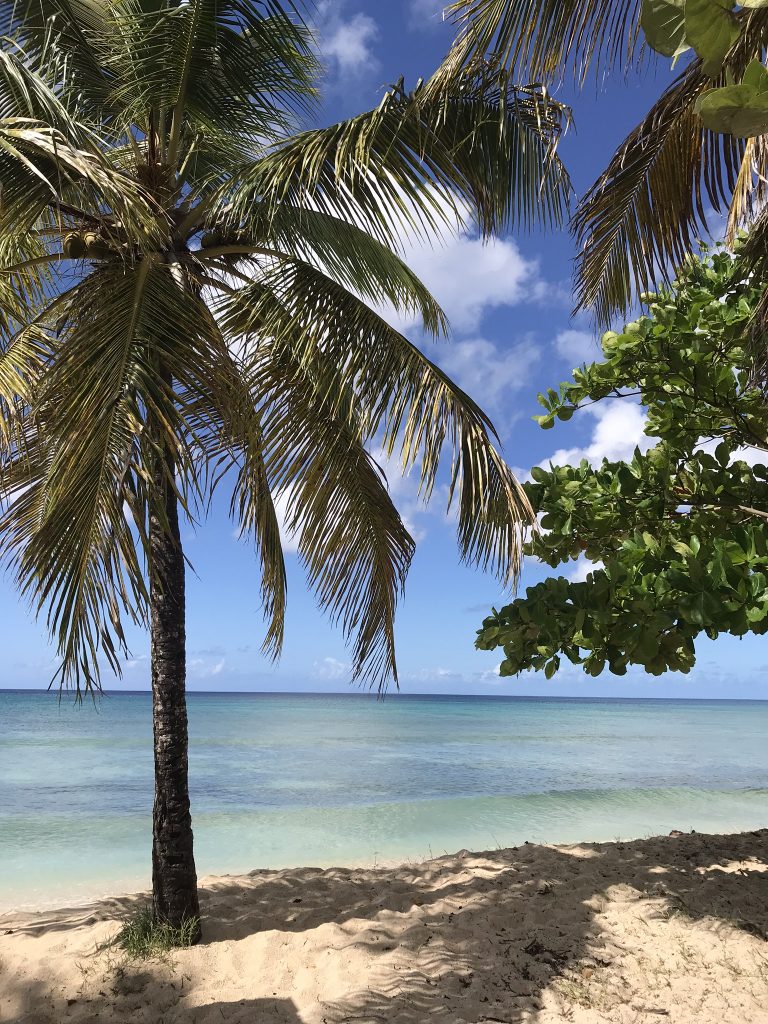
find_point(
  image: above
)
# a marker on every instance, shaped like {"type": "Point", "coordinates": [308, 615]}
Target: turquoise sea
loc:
{"type": "Point", "coordinates": [283, 780]}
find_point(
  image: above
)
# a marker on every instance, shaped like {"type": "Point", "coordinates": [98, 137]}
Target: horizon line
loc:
{"type": "Point", "coordinates": [391, 694]}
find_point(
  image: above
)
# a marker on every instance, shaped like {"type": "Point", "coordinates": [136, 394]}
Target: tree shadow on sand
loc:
{"type": "Point", "coordinates": [482, 937]}
{"type": "Point", "coordinates": [122, 1002]}
{"type": "Point", "coordinates": [499, 938]}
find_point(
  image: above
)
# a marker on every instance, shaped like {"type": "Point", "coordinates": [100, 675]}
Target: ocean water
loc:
{"type": "Point", "coordinates": [285, 780]}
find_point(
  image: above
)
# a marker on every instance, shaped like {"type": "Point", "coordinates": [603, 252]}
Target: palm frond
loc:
{"type": "Point", "coordinates": [647, 209]}
{"type": "Point", "coordinates": [538, 39]}
{"type": "Point", "coordinates": [224, 422]}
{"type": "Point", "coordinates": [61, 35]}
{"type": "Point", "coordinates": [352, 541]}
{"type": "Point", "coordinates": [65, 526]}
{"type": "Point", "coordinates": [751, 188]}
{"type": "Point", "coordinates": [145, 166]}
{"type": "Point", "coordinates": [347, 253]}
{"type": "Point", "coordinates": [24, 350]}
{"type": "Point", "coordinates": [421, 160]}
{"type": "Point", "coordinates": [402, 397]}
{"type": "Point", "coordinates": [80, 489]}
{"type": "Point", "coordinates": [228, 68]}
{"type": "Point", "coordinates": [41, 170]}
{"type": "Point", "coordinates": [25, 93]}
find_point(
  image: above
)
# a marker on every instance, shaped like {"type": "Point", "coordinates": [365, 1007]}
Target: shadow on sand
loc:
{"type": "Point", "coordinates": [468, 939]}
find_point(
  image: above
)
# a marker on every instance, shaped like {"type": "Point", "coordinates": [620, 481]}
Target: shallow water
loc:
{"type": "Point", "coordinates": [281, 780]}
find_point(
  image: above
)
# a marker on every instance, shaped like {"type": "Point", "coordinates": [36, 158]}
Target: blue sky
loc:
{"type": "Point", "coordinates": [513, 336]}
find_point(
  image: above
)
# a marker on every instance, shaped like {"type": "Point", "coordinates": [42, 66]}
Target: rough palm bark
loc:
{"type": "Point", "coordinates": [174, 878]}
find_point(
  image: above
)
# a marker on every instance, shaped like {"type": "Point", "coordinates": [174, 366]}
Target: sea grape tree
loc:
{"type": "Point", "coordinates": [678, 536]}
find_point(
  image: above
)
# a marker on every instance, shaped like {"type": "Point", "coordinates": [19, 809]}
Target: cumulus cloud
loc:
{"type": "Point", "coordinates": [489, 372]}
{"type": "Point", "coordinates": [577, 347]}
{"type": "Point", "coordinates": [289, 539]}
{"type": "Point", "coordinates": [581, 569]}
{"type": "Point", "coordinates": [331, 668]}
{"type": "Point", "coordinates": [434, 675]}
{"type": "Point", "coordinates": [205, 668]}
{"type": "Point", "coordinates": [442, 676]}
{"type": "Point", "coordinates": [346, 40]}
{"type": "Point", "coordinates": [618, 430]}
{"type": "Point", "coordinates": [469, 277]}
{"type": "Point", "coordinates": [752, 456]}
{"type": "Point", "coordinates": [404, 491]}
{"type": "Point", "coordinates": [427, 13]}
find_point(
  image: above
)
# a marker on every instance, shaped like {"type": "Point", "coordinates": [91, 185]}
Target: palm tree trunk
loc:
{"type": "Point", "coordinates": [174, 879]}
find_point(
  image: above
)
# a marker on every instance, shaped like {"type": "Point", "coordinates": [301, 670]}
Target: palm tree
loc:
{"type": "Point", "coordinates": [647, 209]}
{"type": "Point", "coordinates": [188, 289]}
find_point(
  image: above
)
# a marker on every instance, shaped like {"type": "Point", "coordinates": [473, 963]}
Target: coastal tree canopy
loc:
{"type": "Point", "coordinates": [677, 537]}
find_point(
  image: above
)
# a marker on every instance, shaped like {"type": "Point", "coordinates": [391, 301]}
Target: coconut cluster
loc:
{"type": "Point", "coordinates": [81, 245]}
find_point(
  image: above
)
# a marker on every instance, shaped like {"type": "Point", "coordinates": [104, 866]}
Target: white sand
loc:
{"type": "Point", "coordinates": [669, 929]}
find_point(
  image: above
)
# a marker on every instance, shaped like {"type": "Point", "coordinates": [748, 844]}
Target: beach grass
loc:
{"type": "Point", "coordinates": [142, 937]}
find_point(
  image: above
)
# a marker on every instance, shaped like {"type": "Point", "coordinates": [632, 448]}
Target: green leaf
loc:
{"type": "Point", "coordinates": [737, 110]}
{"type": "Point", "coordinates": [711, 30]}
{"type": "Point", "coordinates": [663, 22]}
{"type": "Point", "coordinates": [756, 75]}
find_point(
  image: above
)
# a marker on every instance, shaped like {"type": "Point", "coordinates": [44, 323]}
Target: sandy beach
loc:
{"type": "Point", "coordinates": [669, 928]}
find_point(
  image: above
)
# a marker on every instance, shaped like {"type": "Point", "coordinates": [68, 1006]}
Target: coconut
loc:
{"type": "Point", "coordinates": [73, 245]}
{"type": "Point", "coordinates": [211, 238]}
{"type": "Point", "coordinates": [96, 247]}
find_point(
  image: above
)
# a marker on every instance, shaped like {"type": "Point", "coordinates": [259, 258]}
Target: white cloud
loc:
{"type": "Point", "coordinates": [434, 675]}
{"type": "Point", "coordinates": [404, 491]}
{"type": "Point", "coordinates": [490, 372]}
{"type": "Point", "coordinates": [617, 432]}
{"type": "Point", "coordinates": [577, 347]}
{"type": "Point", "coordinates": [331, 668]}
{"type": "Point", "coordinates": [469, 277]}
{"type": "Point", "coordinates": [427, 13]}
{"type": "Point", "coordinates": [448, 676]}
{"type": "Point", "coordinates": [582, 569]}
{"type": "Point", "coordinates": [751, 455]}
{"type": "Point", "coordinates": [290, 540]}
{"type": "Point", "coordinates": [346, 41]}
{"type": "Point", "coordinates": [491, 675]}
{"type": "Point", "coordinates": [205, 668]}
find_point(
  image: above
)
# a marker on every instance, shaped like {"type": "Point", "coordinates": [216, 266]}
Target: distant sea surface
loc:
{"type": "Point", "coordinates": [285, 780]}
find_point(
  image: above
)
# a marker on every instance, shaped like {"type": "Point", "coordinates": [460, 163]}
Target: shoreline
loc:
{"type": "Point", "coordinates": [138, 889]}
{"type": "Point", "coordinates": [671, 928]}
